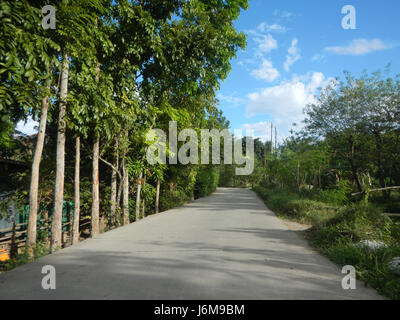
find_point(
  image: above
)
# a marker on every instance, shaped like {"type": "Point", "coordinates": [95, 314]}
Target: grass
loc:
{"type": "Point", "coordinates": [371, 265]}
{"type": "Point", "coordinates": [290, 205]}
{"type": "Point", "coordinates": [22, 258]}
{"type": "Point", "coordinates": [337, 226]}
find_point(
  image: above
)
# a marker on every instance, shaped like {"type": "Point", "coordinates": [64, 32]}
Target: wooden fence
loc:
{"type": "Point", "coordinates": [13, 239]}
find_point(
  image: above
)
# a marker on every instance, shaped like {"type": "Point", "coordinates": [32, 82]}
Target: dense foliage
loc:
{"type": "Point", "coordinates": [339, 176]}
{"type": "Point", "coordinates": [107, 74]}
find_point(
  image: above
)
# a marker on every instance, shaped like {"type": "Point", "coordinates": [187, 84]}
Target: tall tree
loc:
{"type": "Point", "coordinates": [34, 186]}
{"type": "Point", "coordinates": [75, 224]}
{"type": "Point", "coordinates": [26, 52]}
{"type": "Point", "coordinates": [56, 229]}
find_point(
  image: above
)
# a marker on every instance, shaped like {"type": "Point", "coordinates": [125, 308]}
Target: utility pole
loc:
{"type": "Point", "coordinates": [272, 139]}
{"type": "Point", "coordinates": [265, 151]}
{"type": "Point", "coordinates": [276, 138]}
{"type": "Point", "coordinates": [266, 146]}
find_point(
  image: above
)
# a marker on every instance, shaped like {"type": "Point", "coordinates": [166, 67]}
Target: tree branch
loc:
{"type": "Point", "coordinates": [376, 190]}
{"type": "Point", "coordinates": [112, 167]}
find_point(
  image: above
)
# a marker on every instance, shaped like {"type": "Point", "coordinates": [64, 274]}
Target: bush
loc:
{"type": "Point", "coordinates": [206, 182]}
{"type": "Point", "coordinates": [41, 249]}
{"type": "Point", "coordinates": [289, 204]}
{"type": "Point", "coordinates": [366, 222]}
{"type": "Point", "coordinates": [352, 224]}
{"type": "Point", "coordinates": [395, 232]}
{"type": "Point", "coordinates": [337, 229]}
{"type": "Point", "coordinates": [337, 195]}
{"type": "Point", "coordinates": [171, 199]}
{"type": "Point", "coordinates": [371, 265]}
{"type": "Point", "coordinates": [337, 238]}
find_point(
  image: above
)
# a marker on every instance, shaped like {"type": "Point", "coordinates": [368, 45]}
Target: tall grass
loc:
{"type": "Point", "coordinates": [338, 225]}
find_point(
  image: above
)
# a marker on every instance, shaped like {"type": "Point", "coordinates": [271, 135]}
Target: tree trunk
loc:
{"type": "Point", "coordinates": [381, 170]}
{"type": "Point", "coordinates": [75, 226]}
{"type": "Point", "coordinates": [95, 221]}
{"type": "Point", "coordinates": [34, 187]}
{"type": "Point", "coordinates": [95, 225]}
{"type": "Point", "coordinates": [121, 187]}
{"type": "Point", "coordinates": [319, 177]}
{"type": "Point", "coordinates": [70, 222]}
{"type": "Point", "coordinates": [118, 203]}
{"type": "Point", "coordinates": [369, 179]}
{"type": "Point", "coordinates": [139, 188]}
{"type": "Point", "coordinates": [143, 207]}
{"type": "Point", "coordinates": [144, 201]}
{"type": "Point", "coordinates": [355, 175]}
{"type": "Point", "coordinates": [125, 198]}
{"type": "Point", "coordinates": [114, 185]}
{"type": "Point", "coordinates": [352, 165]}
{"type": "Point", "coordinates": [158, 196]}
{"type": "Point", "coordinates": [56, 226]}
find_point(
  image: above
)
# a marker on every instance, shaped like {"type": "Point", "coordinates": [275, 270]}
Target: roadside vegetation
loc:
{"type": "Point", "coordinates": [107, 74]}
{"type": "Point", "coordinates": [113, 70]}
{"type": "Point", "coordinates": [340, 175]}
{"type": "Point", "coordinates": [338, 231]}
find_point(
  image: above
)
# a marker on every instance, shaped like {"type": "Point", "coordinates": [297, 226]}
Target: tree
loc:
{"type": "Point", "coordinates": [60, 164]}
{"type": "Point", "coordinates": [143, 64]}
{"type": "Point", "coordinates": [74, 36]}
{"type": "Point", "coordinates": [75, 224]}
{"type": "Point", "coordinates": [351, 114]}
{"type": "Point", "coordinates": [26, 73]}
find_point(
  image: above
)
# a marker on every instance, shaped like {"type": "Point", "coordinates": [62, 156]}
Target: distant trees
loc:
{"type": "Point", "coordinates": [352, 132]}
{"type": "Point", "coordinates": [360, 120]}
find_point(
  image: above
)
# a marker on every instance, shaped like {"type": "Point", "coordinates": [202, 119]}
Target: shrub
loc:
{"type": "Point", "coordinates": [171, 199]}
{"type": "Point", "coordinates": [41, 249]}
{"type": "Point", "coordinates": [337, 195]}
{"type": "Point", "coordinates": [206, 182]}
{"type": "Point", "coordinates": [289, 204]}
{"type": "Point", "coordinates": [366, 222]}
{"type": "Point", "coordinates": [372, 266]}
{"type": "Point", "coordinates": [337, 229]}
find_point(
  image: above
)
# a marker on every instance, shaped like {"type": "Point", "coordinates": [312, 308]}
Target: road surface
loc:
{"type": "Point", "coordinates": [226, 246]}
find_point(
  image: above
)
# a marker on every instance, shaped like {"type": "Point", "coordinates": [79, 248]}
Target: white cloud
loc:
{"type": "Point", "coordinates": [318, 58]}
{"type": "Point", "coordinates": [266, 71]}
{"type": "Point", "coordinates": [286, 14]}
{"type": "Point", "coordinates": [293, 55]}
{"type": "Point", "coordinates": [260, 130]}
{"type": "Point", "coordinates": [231, 99]}
{"type": "Point", "coordinates": [283, 14]}
{"type": "Point", "coordinates": [317, 81]}
{"type": "Point", "coordinates": [360, 47]}
{"type": "Point", "coordinates": [285, 102]}
{"type": "Point", "coordinates": [266, 43]}
{"type": "Point", "coordinates": [265, 27]}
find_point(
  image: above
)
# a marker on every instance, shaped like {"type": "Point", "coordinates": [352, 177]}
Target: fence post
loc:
{"type": "Point", "coordinates": [13, 248]}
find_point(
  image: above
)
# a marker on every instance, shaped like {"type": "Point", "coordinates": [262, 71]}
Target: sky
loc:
{"type": "Point", "coordinates": [295, 47]}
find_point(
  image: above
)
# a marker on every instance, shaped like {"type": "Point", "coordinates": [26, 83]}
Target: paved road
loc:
{"type": "Point", "coordinates": [226, 246]}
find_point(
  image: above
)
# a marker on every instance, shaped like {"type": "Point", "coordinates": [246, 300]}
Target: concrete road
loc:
{"type": "Point", "coordinates": [226, 246]}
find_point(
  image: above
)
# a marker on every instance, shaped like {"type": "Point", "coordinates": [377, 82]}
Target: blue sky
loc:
{"type": "Point", "coordinates": [294, 47]}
